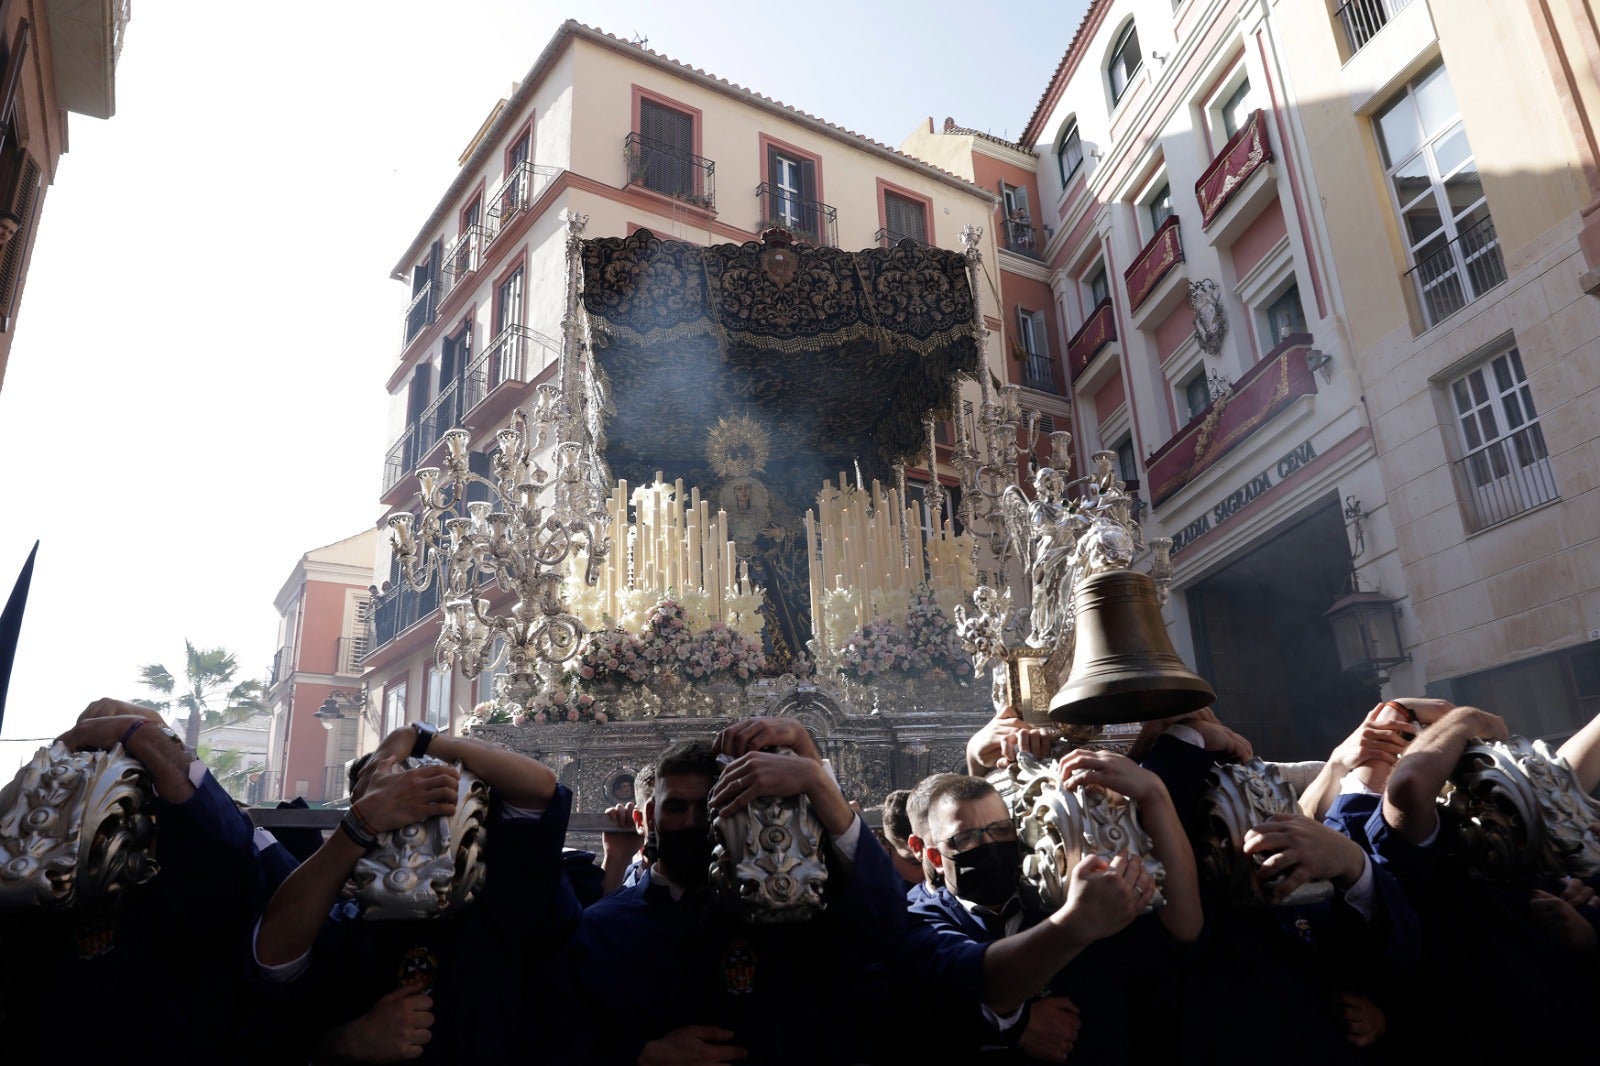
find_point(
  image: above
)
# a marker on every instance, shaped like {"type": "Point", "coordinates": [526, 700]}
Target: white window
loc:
{"type": "Point", "coordinates": [1125, 62]}
{"type": "Point", "coordinates": [1069, 151]}
{"type": "Point", "coordinates": [394, 708]}
{"type": "Point", "coordinates": [1197, 393]}
{"type": "Point", "coordinates": [1235, 109]}
{"type": "Point", "coordinates": [1019, 230]}
{"type": "Point", "coordinates": [1505, 467]}
{"type": "Point", "coordinates": [1285, 315]}
{"type": "Point", "coordinates": [904, 217]}
{"type": "Point", "coordinates": [1036, 372]}
{"type": "Point", "coordinates": [1158, 207]}
{"type": "Point", "coordinates": [1127, 462]}
{"type": "Point", "coordinates": [438, 711]}
{"type": "Point", "coordinates": [1433, 179]}
{"type": "Point", "coordinates": [1099, 286]}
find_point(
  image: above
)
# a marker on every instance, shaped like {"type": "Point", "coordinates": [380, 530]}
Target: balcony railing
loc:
{"type": "Point", "coordinates": [439, 417]}
{"type": "Point", "coordinates": [1362, 19]}
{"type": "Point", "coordinates": [516, 355]}
{"type": "Point", "coordinates": [1039, 374]}
{"type": "Point", "coordinates": [335, 783]}
{"type": "Point", "coordinates": [811, 221]}
{"type": "Point", "coordinates": [282, 666]}
{"type": "Point", "coordinates": [671, 170]}
{"type": "Point", "coordinates": [1281, 377]}
{"type": "Point", "coordinates": [888, 238]}
{"type": "Point", "coordinates": [462, 256]}
{"type": "Point", "coordinates": [401, 458]}
{"type": "Point", "coordinates": [1246, 152]}
{"type": "Point", "coordinates": [1153, 263]}
{"type": "Point", "coordinates": [1023, 238]}
{"type": "Point", "coordinates": [1505, 478]}
{"type": "Point", "coordinates": [1458, 273]}
{"type": "Point", "coordinates": [351, 651]}
{"type": "Point", "coordinates": [420, 311]}
{"type": "Point", "coordinates": [1097, 331]}
{"type": "Point", "coordinates": [398, 608]}
{"type": "Point", "coordinates": [518, 193]}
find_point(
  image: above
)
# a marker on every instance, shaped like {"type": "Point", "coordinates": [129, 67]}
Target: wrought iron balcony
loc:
{"type": "Point", "coordinates": [811, 221]}
{"type": "Point", "coordinates": [462, 256]}
{"type": "Point", "coordinates": [439, 417]}
{"type": "Point", "coordinates": [1458, 273]}
{"type": "Point", "coordinates": [1153, 263]}
{"type": "Point", "coordinates": [1362, 19]}
{"type": "Point", "coordinates": [1505, 478]}
{"type": "Point", "coordinates": [1039, 373]}
{"type": "Point", "coordinates": [514, 357]}
{"type": "Point", "coordinates": [398, 608]}
{"type": "Point", "coordinates": [282, 666]}
{"type": "Point", "coordinates": [351, 651]}
{"type": "Point", "coordinates": [421, 311]}
{"type": "Point", "coordinates": [517, 193]}
{"type": "Point", "coordinates": [1097, 331]}
{"type": "Point", "coordinates": [670, 170]}
{"type": "Point", "coordinates": [1246, 152]}
{"type": "Point", "coordinates": [888, 238]}
{"type": "Point", "coordinates": [401, 458]}
{"type": "Point", "coordinates": [1023, 238]}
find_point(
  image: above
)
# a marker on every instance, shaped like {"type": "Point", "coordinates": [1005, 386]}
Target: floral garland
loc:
{"type": "Point", "coordinates": [925, 643]}
{"type": "Point", "coordinates": [669, 645]}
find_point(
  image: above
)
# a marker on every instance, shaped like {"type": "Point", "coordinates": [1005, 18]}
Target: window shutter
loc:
{"type": "Point", "coordinates": [24, 206]}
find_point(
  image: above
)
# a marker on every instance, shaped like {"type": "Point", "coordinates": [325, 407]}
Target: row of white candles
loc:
{"type": "Point", "coordinates": [881, 548]}
{"type": "Point", "coordinates": [676, 545]}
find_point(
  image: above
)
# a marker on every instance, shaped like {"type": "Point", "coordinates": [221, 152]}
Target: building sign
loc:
{"type": "Point", "coordinates": [1243, 496]}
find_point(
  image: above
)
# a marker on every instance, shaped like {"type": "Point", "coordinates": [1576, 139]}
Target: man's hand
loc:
{"type": "Point", "coordinates": [394, 1030]}
{"type": "Point", "coordinates": [1052, 1029]}
{"type": "Point", "coordinates": [1374, 741]}
{"type": "Point", "coordinates": [1002, 738]}
{"type": "Point", "coordinates": [1103, 897]}
{"type": "Point", "coordinates": [1218, 738]}
{"type": "Point", "coordinates": [98, 734]}
{"type": "Point", "coordinates": [757, 774]}
{"type": "Point", "coordinates": [105, 707]}
{"type": "Point", "coordinates": [1115, 772]}
{"type": "Point", "coordinates": [693, 1045]}
{"type": "Point", "coordinates": [396, 798]}
{"type": "Point", "coordinates": [1485, 726]}
{"type": "Point", "coordinates": [1561, 921]}
{"type": "Point", "coordinates": [1303, 850]}
{"type": "Point", "coordinates": [1576, 892]}
{"type": "Point", "coordinates": [1362, 1019]}
{"type": "Point", "coordinates": [759, 734]}
{"type": "Point", "coordinates": [1426, 711]}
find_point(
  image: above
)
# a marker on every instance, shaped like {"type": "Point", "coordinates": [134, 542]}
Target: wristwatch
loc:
{"type": "Point", "coordinates": [425, 735]}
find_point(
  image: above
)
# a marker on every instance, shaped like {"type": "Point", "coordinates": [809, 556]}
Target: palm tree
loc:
{"type": "Point", "coordinates": [213, 697]}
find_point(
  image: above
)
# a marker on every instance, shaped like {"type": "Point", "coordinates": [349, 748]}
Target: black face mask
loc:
{"type": "Point", "coordinates": [686, 854]}
{"type": "Point", "coordinates": [987, 874]}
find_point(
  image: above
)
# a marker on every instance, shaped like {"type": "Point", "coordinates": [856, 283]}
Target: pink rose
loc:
{"type": "Point", "coordinates": [586, 672]}
{"type": "Point", "coordinates": [519, 719]}
{"type": "Point", "coordinates": [559, 697]}
{"type": "Point", "coordinates": [600, 716]}
{"type": "Point", "coordinates": [572, 715]}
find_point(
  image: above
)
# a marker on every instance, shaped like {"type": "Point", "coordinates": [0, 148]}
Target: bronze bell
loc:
{"type": "Point", "coordinates": [1124, 668]}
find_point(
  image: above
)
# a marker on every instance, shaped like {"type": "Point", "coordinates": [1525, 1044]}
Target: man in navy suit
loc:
{"type": "Point", "coordinates": [988, 954]}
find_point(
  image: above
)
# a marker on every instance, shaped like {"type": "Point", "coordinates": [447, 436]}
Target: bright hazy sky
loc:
{"type": "Point", "coordinates": [195, 395]}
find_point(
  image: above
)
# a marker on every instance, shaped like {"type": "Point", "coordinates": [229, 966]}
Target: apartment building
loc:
{"type": "Point", "coordinates": [1329, 305]}
{"type": "Point", "coordinates": [56, 57]}
{"type": "Point", "coordinates": [631, 139]}
{"type": "Point", "coordinates": [313, 686]}
{"type": "Point", "coordinates": [1454, 154]}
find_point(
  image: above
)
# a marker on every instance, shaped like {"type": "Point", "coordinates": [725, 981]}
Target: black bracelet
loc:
{"type": "Point", "coordinates": [362, 839]}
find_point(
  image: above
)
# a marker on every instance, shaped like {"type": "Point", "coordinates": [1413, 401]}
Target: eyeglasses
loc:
{"type": "Point", "coordinates": [968, 839]}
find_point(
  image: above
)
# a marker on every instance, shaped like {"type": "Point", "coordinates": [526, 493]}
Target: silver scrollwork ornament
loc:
{"type": "Point", "coordinates": [1058, 827]}
{"type": "Point", "coordinates": [431, 868]}
{"type": "Point", "coordinates": [1237, 797]}
{"type": "Point", "coordinates": [1514, 807]}
{"type": "Point", "coordinates": [76, 830]}
{"type": "Point", "coordinates": [768, 863]}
